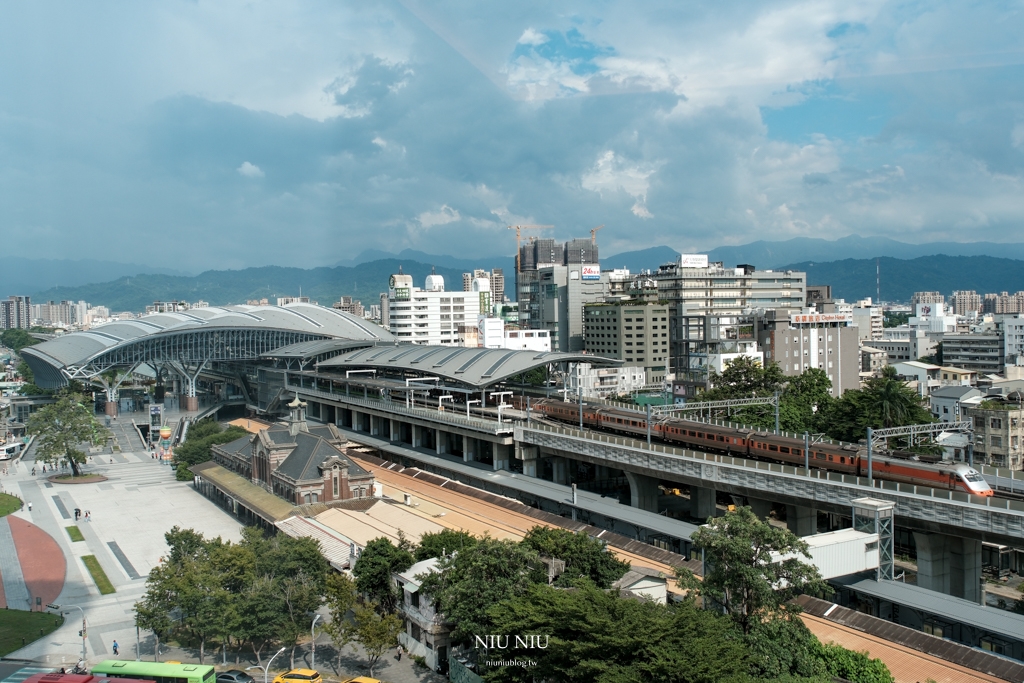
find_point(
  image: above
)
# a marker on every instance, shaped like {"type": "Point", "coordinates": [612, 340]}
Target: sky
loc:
{"type": "Point", "coordinates": [196, 135]}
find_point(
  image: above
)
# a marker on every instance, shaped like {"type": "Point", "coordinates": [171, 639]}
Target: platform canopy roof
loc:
{"type": "Point", "coordinates": [470, 366]}
{"type": "Point", "coordinates": [193, 338]}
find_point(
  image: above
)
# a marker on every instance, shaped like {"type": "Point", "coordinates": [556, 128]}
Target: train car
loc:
{"type": "Point", "coordinates": [763, 445]}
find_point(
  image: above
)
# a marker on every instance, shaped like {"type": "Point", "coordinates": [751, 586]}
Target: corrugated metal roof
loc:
{"type": "Point", "coordinates": [987, 619]}
{"type": "Point", "coordinates": [473, 366]}
{"type": "Point", "coordinates": [335, 547]}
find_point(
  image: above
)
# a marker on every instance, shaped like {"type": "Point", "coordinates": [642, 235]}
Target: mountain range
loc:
{"type": "Point", "coordinates": [905, 268]}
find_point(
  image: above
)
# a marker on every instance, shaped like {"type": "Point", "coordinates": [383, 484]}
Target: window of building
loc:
{"type": "Point", "coordinates": [995, 441]}
{"type": "Point", "coordinates": [996, 423]}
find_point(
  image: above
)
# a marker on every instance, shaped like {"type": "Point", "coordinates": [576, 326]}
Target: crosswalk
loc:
{"type": "Point", "coordinates": [26, 672]}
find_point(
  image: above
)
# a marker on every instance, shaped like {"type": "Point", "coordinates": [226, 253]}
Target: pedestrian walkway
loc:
{"type": "Point", "coordinates": [26, 672]}
{"type": "Point", "coordinates": [15, 591]}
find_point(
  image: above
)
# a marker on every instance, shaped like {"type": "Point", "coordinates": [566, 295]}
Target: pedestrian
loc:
{"type": "Point", "coordinates": [78, 514]}
{"type": "Point", "coordinates": [30, 506]}
{"type": "Point", "coordinates": [115, 648]}
{"type": "Point", "coordinates": [400, 651]}
{"type": "Point", "coordinates": [88, 516]}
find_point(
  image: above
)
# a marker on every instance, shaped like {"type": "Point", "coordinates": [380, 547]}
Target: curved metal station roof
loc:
{"type": "Point", "coordinates": [57, 359]}
{"type": "Point", "coordinates": [473, 366]}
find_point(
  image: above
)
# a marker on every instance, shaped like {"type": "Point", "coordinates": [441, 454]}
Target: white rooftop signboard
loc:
{"type": "Point", "coordinates": [693, 261]}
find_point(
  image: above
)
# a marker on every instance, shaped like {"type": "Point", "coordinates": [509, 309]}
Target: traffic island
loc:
{"type": "Point", "coordinates": [80, 479]}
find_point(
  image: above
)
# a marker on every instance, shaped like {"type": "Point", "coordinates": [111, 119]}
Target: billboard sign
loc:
{"type": "Point", "coordinates": [402, 294]}
{"type": "Point", "coordinates": [693, 261]}
{"type": "Point", "coordinates": [821, 318]}
{"type": "Point", "coordinates": [592, 272]}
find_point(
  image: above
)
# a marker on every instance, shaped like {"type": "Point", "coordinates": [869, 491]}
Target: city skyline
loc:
{"type": "Point", "coordinates": [257, 132]}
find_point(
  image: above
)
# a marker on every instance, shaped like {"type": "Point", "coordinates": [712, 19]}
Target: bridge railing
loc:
{"type": "Point", "coordinates": [838, 477]}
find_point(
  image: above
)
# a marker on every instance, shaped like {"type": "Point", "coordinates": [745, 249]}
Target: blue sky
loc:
{"type": "Point", "coordinates": [223, 135]}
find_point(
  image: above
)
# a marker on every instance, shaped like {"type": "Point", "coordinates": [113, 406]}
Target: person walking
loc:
{"type": "Point", "coordinates": [30, 506]}
{"type": "Point", "coordinates": [115, 648]}
{"type": "Point", "coordinates": [78, 514]}
{"type": "Point", "coordinates": [400, 651]}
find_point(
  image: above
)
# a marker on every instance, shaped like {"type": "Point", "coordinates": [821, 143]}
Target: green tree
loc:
{"type": "Point", "coordinates": [16, 339]}
{"type": "Point", "coordinates": [744, 377]}
{"type": "Point", "coordinates": [61, 427]}
{"type": "Point", "coordinates": [376, 632]}
{"type": "Point", "coordinates": [783, 646]}
{"type": "Point", "coordinates": [340, 595]}
{"type": "Point", "coordinates": [884, 401]}
{"type": "Point", "coordinates": [469, 583]}
{"type": "Point", "coordinates": [596, 635]}
{"type": "Point", "coordinates": [444, 542]}
{"type": "Point", "coordinates": [153, 611]}
{"type": "Point", "coordinates": [742, 573]}
{"type": "Point", "coordinates": [196, 448]}
{"type": "Point", "coordinates": [260, 613]}
{"type": "Point", "coordinates": [301, 597]}
{"type": "Point", "coordinates": [856, 667]}
{"type": "Point", "coordinates": [379, 559]}
{"type": "Point", "coordinates": [584, 557]}
{"type": "Point", "coordinates": [805, 398]}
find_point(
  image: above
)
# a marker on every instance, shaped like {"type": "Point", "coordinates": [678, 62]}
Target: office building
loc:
{"type": "Point", "coordinates": [965, 302]}
{"type": "Point", "coordinates": [1013, 340]}
{"type": "Point", "coordinates": [982, 353]}
{"type": "Point", "coordinates": [431, 315]}
{"type": "Point", "coordinates": [817, 295]}
{"type": "Point", "coordinates": [633, 331]}
{"type": "Point", "coordinates": [601, 382]}
{"type": "Point", "coordinates": [927, 298]}
{"type": "Point", "coordinates": [554, 281]}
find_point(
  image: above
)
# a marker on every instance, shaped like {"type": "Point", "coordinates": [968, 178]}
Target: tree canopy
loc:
{"type": "Point", "coordinates": [200, 438]}
{"type": "Point", "coordinates": [742, 572]}
{"type": "Point", "coordinates": [444, 542]}
{"type": "Point", "coordinates": [61, 428]}
{"type": "Point", "coordinates": [584, 557]}
{"type": "Point", "coordinates": [884, 401]}
{"type": "Point", "coordinates": [379, 559]}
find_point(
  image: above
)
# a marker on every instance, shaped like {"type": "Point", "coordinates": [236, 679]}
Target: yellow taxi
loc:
{"type": "Point", "coordinates": [299, 676]}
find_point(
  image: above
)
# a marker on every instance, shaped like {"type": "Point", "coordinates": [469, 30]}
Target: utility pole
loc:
{"type": "Point", "coordinates": [648, 424]}
{"type": "Point", "coordinates": [776, 412]}
{"type": "Point", "coordinates": [870, 475]}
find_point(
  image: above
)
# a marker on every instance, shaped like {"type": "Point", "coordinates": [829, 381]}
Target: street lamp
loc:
{"type": "Point", "coordinates": [266, 668]}
{"type": "Point", "coordinates": [58, 608]}
{"type": "Point", "coordinates": [312, 632]}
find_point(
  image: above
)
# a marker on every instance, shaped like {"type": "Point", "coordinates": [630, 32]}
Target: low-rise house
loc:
{"type": "Point", "coordinates": [998, 432]}
{"type": "Point", "coordinates": [426, 634]}
{"type": "Point", "coordinates": [947, 403]}
{"type": "Point", "coordinates": [644, 582]}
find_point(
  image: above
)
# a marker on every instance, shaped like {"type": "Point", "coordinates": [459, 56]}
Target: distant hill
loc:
{"type": "Point", "coordinates": [853, 279]}
{"type": "Point", "coordinates": [765, 254]}
{"type": "Point", "coordinates": [220, 287]}
{"type": "Point", "coordinates": [28, 276]}
{"type": "Point", "coordinates": [441, 260]}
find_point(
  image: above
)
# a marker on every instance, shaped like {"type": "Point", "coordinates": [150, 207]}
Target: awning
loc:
{"type": "Point", "coordinates": [259, 501]}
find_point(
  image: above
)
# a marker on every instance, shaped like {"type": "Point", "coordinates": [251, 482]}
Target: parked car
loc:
{"type": "Point", "coordinates": [234, 676]}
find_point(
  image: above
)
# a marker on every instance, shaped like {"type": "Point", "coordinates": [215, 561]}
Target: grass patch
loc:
{"type": "Point", "coordinates": [9, 504]}
{"type": "Point", "coordinates": [75, 533]}
{"type": "Point", "coordinates": [16, 625]}
{"type": "Point", "coordinates": [98, 575]}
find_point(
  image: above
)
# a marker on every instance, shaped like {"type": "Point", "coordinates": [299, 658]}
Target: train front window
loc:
{"type": "Point", "coordinates": [974, 477]}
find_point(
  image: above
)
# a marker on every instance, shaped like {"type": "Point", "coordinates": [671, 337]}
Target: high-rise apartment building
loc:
{"type": "Point", "coordinates": [1003, 302]}
{"type": "Point", "coordinates": [927, 298]}
{"type": "Point", "coordinates": [347, 304]}
{"type": "Point", "coordinates": [497, 283]}
{"type": "Point", "coordinates": [52, 314]}
{"type": "Point", "coordinates": [16, 313]}
{"type": "Point", "coordinates": [965, 301]}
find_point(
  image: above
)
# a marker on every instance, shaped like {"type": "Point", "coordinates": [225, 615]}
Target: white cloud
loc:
{"type": "Point", "coordinates": [532, 37]}
{"type": "Point", "coordinates": [442, 216]}
{"type": "Point", "coordinates": [250, 170]}
{"type": "Point", "coordinates": [610, 175]}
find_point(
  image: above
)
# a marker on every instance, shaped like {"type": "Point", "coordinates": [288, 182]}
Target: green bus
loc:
{"type": "Point", "coordinates": [156, 671]}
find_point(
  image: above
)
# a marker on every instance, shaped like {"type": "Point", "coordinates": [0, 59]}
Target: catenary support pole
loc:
{"type": "Point", "coordinates": [870, 473]}
{"type": "Point", "coordinates": [776, 412]}
{"type": "Point", "coordinates": [807, 453]}
{"type": "Point", "coordinates": [648, 424]}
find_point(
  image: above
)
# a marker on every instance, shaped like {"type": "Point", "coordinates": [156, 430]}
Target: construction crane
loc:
{"type": "Point", "coordinates": [519, 229]}
{"type": "Point", "coordinates": [593, 234]}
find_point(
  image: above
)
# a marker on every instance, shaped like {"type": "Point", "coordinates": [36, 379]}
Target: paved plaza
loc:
{"type": "Point", "coordinates": [129, 514]}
